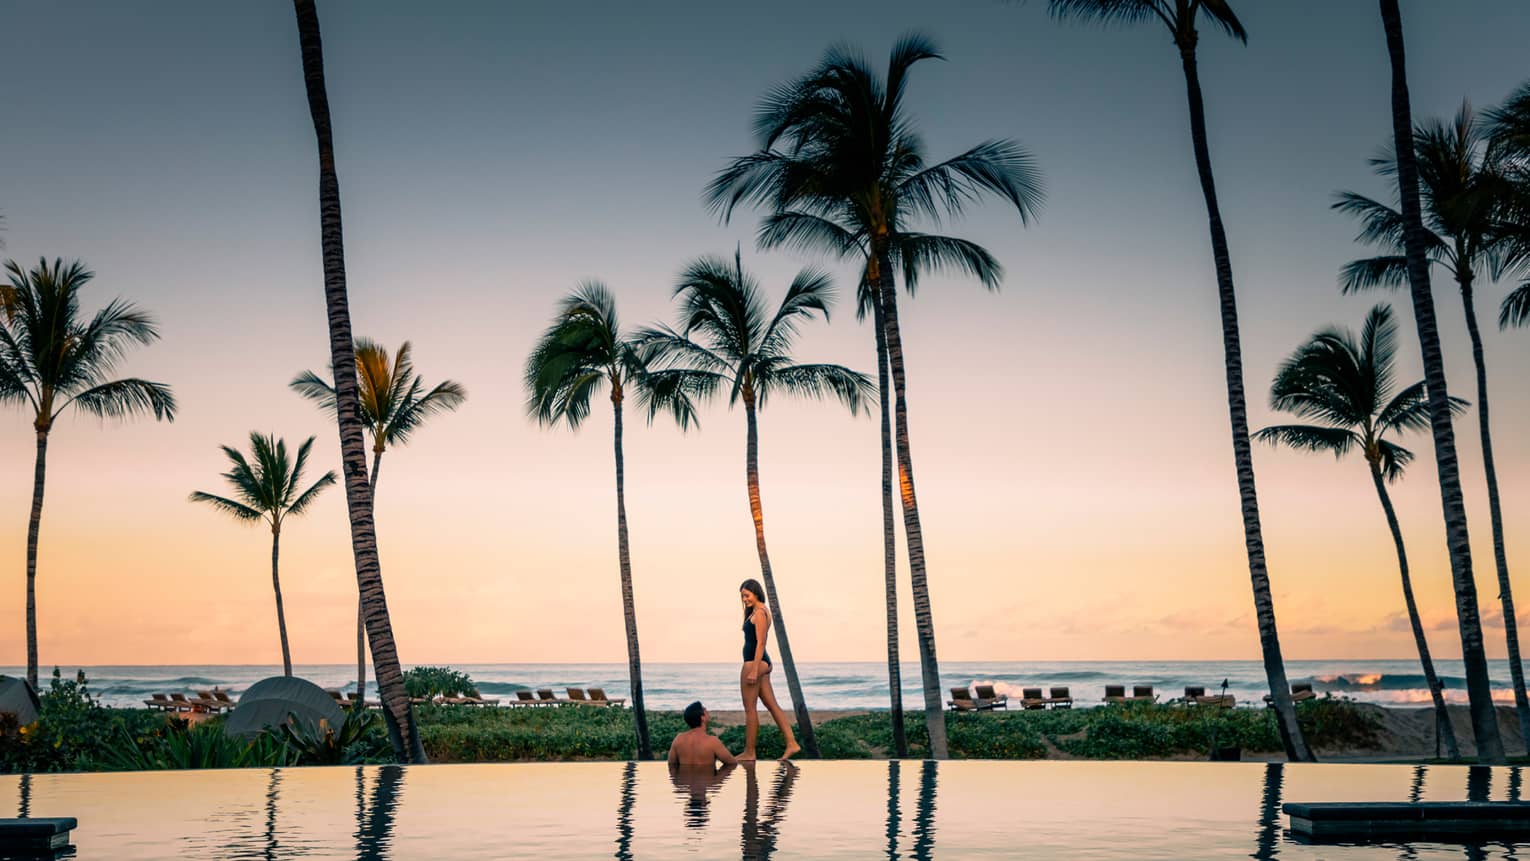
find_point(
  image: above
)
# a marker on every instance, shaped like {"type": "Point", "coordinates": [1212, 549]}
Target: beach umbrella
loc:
{"type": "Point", "coordinates": [268, 703]}
{"type": "Point", "coordinates": [18, 698]}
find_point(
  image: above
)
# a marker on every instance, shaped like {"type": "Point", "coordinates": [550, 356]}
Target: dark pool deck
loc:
{"type": "Point", "coordinates": [1424, 820]}
{"type": "Point", "coordinates": [815, 810]}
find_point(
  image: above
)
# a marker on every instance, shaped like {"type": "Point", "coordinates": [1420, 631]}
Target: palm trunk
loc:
{"type": "Point", "coordinates": [1443, 729]}
{"type": "Point", "coordinates": [361, 610]}
{"type": "Point", "coordinates": [276, 586]}
{"type": "Point", "coordinates": [34, 524]}
{"type": "Point", "coordinates": [1478, 686]}
{"type": "Point", "coordinates": [629, 608]}
{"type": "Point", "coordinates": [1243, 456]}
{"type": "Point", "coordinates": [358, 493]}
{"type": "Point", "coordinates": [924, 620]}
{"type": "Point", "coordinates": [1495, 512]}
{"type": "Point", "coordinates": [807, 738]}
{"type": "Point", "coordinates": [889, 530]}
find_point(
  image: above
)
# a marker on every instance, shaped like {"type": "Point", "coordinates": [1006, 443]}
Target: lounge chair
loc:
{"type": "Point", "coordinates": [161, 702]}
{"type": "Point", "coordinates": [1060, 699]}
{"type": "Point", "coordinates": [1031, 698]}
{"type": "Point", "coordinates": [1143, 694]}
{"type": "Point", "coordinates": [223, 699]}
{"type": "Point", "coordinates": [994, 700]}
{"type": "Point", "coordinates": [1299, 691]}
{"type": "Point", "coordinates": [524, 698]}
{"type": "Point", "coordinates": [1196, 696]}
{"type": "Point", "coordinates": [962, 701]}
{"type": "Point", "coordinates": [182, 704]}
{"type": "Point", "coordinates": [576, 695]}
{"type": "Point", "coordinates": [1115, 693]}
{"type": "Point", "coordinates": [598, 696]}
{"type": "Point", "coordinates": [208, 702]}
{"type": "Point", "coordinates": [546, 697]}
{"type": "Point", "coordinates": [477, 700]}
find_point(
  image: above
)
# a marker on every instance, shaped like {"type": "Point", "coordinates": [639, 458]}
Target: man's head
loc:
{"type": "Point", "coordinates": [695, 714]}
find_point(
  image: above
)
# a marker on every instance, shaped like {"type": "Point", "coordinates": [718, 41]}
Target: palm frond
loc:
{"type": "Point", "coordinates": [999, 167]}
{"type": "Point", "coordinates": [1309, 438]}
{"type": "Point", "coordinates": [920, 253]}
{"type": "Point", "coordinates": [1389, 271]}
{"type": "Point", "coordinates": [315, 388]}
{"type": "Point", "coordinates": [1394, 459]}
{"type": "Point", "coordinates": [237, 510]}
{"type": "Point", "coordinates": [819, 381]}
{"type": "Point", "coordinates": [120, 399]}
{"type": "Point", "coordinates": [306, 498]}
{"type": "Point", "coordinates": [1515, 310]}
{"type": "Point", "coordinates": [809, 232]}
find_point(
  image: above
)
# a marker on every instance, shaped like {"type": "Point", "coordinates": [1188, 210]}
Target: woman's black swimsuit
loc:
{"type": "Point", "coordinates": [750, 642]}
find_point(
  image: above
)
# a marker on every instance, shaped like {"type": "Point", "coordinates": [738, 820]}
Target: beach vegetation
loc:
{"type": "Point", "coordinates": [429, 682]}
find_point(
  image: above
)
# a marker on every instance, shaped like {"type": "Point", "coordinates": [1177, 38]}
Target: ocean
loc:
{"type": "Point", "coordinates": [852, 685]}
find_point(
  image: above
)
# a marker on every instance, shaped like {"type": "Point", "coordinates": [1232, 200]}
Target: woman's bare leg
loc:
{"type": "Point", "coordinates": [768, 695]}
{"type": "Point", "coordinates": [751, 695]}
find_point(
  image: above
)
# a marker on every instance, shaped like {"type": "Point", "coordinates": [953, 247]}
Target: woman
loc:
{"type": "Point", "coordinates": [754, 682]}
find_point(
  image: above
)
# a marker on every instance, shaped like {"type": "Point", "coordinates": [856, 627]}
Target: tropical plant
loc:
{"type": "Point", "coordinates": [1347, 385]}
{"type": "Point", "coordinates": [402, 731]}
{"type": "Point", "coordinates": [1463, 194]}
{"type": "Point", "coordinates": [1415, 241]}
{"type": "Point", "coordinates": [1509, 133]}
{"type": "Point", "coordinates": [180, 745]}
{"type": "Point", "coordinates": [425, 683]}
{"type": "Point", "coordinates": [358, 739]}
{"type": "Point", "coordinates": [394, 403]}
{"type": "Point", "coordinates": [1180, 16]}
{"type": "Point", "coordinates": [51, 358]}
{"type": "Point", "coordinates": [840, 169]}
{"type": "Point", "coordinates": [268, 490]}
{"type": "Point", "coordinates": [583, 350]}
{"type": "Point", "coordinates": [746, 348]}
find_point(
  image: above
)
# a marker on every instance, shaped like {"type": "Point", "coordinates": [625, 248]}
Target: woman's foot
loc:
{"type": "Point", "coordinates": [790, 750]}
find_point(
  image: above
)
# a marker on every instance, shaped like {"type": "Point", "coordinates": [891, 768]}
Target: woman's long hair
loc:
{"type": "Point", "coordinates": [757, 590]}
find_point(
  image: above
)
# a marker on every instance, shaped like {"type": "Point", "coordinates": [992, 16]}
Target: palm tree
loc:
{"type": "Point", "coordinates": [397, 713]}
{"type": "Point", "coordinates": [839, 169]}
{"type": "Point", "coordinates": [1180, 17]}
{"type": "Point", "coordinates": [1509, 133]}
{"type": "Point", "coordinates": [582, 350]}
{"type": "Point", "coordinates": [267, 490]}
{"type": "Point", "coordinates": [1416, 251]}
{"type": "Point", "coordinates": [52, 358]}
{"type": "Point", "coordinates": [1347, 385]}
{"type": "Point", "coordinates": [747, 349]}
{"type": "Point", "coordinates": [394, 404]}
{"type": "Point", "coordinates": [1462, 193]}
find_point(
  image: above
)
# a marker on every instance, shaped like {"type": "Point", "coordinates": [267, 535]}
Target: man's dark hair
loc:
{"type": "Point", "coordinates": [693, 714]}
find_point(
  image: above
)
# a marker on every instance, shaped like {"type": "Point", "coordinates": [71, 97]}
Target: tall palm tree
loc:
{"type": "Point", "coordinates": [1509, 133]}
{"type": "Point", "coordinates": [840, 169]}
{"type": "Point", "coordinates": [52, 358]}
{"type": "Point", "coordinates": [266, 489]}
{"type": "Point", "coordinates": [1416, 251]}
{"type": "Point", "coordinates": [1463, 189]}
{"type": "Point", "coordinates": [397, 713]}
{"type": "Point", "coordinates": [394, 403]}
{"type": "Point", "coordinates": [746, 349]}
{"type": "Point", "coordinates": [1347, 385]}
{"type": "Point", "coordinates": [582, 350]}
{"type": "Point", "coordinates": [1180, 17]}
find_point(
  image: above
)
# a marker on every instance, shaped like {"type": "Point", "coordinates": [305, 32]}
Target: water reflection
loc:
{"type": "Point", "coordinates": [374, 823]}
{"type": "Point", "coordinates": [24, 803]}
{"type": "Point", "coordinates": [624, 812]}
{"type": "Point", "coordinates": [760, 832]}
{"type": "Point", "coordinates": [924, 814]}
{"type": "Point", "coordinates": [1267, 846]}
{"type": "Point", "coordinates": [894, 816]}
{"type": "Point", "coordinates": [271, 794]}
{"type": "Point", "coordinates": [696, 785]}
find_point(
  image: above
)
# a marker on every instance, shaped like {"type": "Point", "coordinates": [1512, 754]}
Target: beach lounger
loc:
{"type": "Point", "coordinates": [1060, 699]}
{"type": "Point", "coordinates": [962, 701]}
{"type": "Point", "coordinates": [161, 702]}
{"type": "Point", "coordinates": [223, 699]}
{"type": "Point", "coordinates": [1195, 695]}
{"type": "Point", "coordinates": [576, 695]}
{"type": "Point", "coordinates": [1031, 698]}
{"type": "Point", "coordinates": [598, 696]}
{"type": "Point", "coordinates": [524, 698]}
{"type": "Point", "coordinates": [1115, 693]}
{"type": "Point", "coordinates": [1143, 694]}
{"type": "Point", "coordinates": [208, 702]}
{"type": "Point", "coordinates": [545, 696]}
{"type": "Point", "coordinates": [1299, 691]}
{"type": "Point", "coordinates": [482, 701]}
{"type": "Point", "coordinates": [182, 704]}
{"type": "Point", "coordinates": [986, 694]}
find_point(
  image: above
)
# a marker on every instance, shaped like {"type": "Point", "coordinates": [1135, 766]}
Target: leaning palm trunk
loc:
{"type": "Point", "coordinates": [1473, 656]}
{"type": "Point", "coordinates": [808, 740]}
{"type": "Point", "coordinates": [1444, 732]}
{"type": "Point", "coordinates": [34, 525]}
{"type": "Point", "coordinates": [361, 610]}
{"type": "Point", "coordinates": [276, 586]}
{"type": "Point", "coordinates": [402, 731]}
{"type": "Point", "coordinates": [1495, 512]}
{"type": "Point", "coordinates": [889, 531]}
{"type": "Point", "coordinates": [629, 608]}
{"type": "Point", "coordinates": [924, 621]}
{"type": "Point", "coordinates": [1264, 602]}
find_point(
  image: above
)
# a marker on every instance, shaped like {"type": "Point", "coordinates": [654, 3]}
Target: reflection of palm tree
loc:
{"type": "Point", "coordinates": [894, 816]}
{"type": "Point", "coordinates": [1479, 786]}
{"type": "Point", "coordinates": [1268, 844]}
{"type": "Point", "coordinates": [694, 785]}
{"type": "Point", "coordinates": [759, 835]}
{"type": "Point", "coordinates": [1416, 791]}
{"type": "Point", "coordinates": [924, 815]}
{"type": "Point", "coordinates": [271, 793]}
{"type": "Point", "coordinates": [374, 826]}
{"type": "Point", "coordinates": [624, 813]}
{"type": "Point", "coordinates": [1514, 779]}
{"type": "Point", "coordinates": [24, 806]}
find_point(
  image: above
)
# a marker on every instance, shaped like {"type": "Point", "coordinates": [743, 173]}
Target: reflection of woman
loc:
{"type": "Point", "coordinates": [754, 682]}
{"type": "Point", "coordinates": [696, 784]}
{"type": "Point", "coordinates": [758, 836]}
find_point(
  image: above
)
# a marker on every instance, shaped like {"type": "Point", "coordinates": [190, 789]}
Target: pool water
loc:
{"type": "Point", "coordinates": [814, 810]}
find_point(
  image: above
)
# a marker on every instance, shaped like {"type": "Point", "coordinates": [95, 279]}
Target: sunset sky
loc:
{"type": "Point", "coordinates": [1070, 433]}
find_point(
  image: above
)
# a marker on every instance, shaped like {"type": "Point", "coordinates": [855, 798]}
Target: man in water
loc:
{"type": "Point", "coordinates": [696, 747]}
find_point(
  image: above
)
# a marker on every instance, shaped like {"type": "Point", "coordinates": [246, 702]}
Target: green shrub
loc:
{"type": "Point", "coordinates": [427, 682]}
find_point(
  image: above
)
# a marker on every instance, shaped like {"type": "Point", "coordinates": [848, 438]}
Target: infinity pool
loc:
{"type": "Point", "coordinates": [893, 810]}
